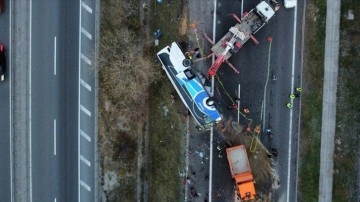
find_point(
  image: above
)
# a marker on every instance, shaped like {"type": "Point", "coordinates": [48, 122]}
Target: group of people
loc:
{"type": "Point", "coordinates": [293, 96]}
{"type": "Point", "coordinates": [193, 53]}
{"type": "Point", "coordinates": [289, 105]}
{"type": "Point", "coordinates": [235, 106]}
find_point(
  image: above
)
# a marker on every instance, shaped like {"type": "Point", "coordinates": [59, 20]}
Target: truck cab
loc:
{"type": "Point", "coordinates": [265, 11]}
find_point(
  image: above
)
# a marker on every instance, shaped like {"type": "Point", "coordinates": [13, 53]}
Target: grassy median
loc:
{"type": "Point", "coordinates": [167, 138]}
{"type": "Point", "coordinates": [346, 157]}
{"type": "Point", "coordinates": [313, 74]}
{"type": "Point", "coordinates": [345, 184]}
{"type": "Point", "coordinates": [133, 127]}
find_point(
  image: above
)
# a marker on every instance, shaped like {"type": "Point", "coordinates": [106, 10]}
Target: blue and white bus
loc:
{"type": "Point", "coordinates": [188, 85]}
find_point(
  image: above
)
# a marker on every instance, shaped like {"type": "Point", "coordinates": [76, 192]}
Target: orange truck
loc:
{"type": "Point", "coordinates": [241, 172]}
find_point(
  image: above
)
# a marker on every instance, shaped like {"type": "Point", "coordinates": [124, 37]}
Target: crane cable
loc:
{"type": "Point", "coordinates": [256, 132]}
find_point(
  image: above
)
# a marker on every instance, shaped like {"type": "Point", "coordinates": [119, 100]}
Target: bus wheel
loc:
{"type": "Point", "coordinates": [186, 62]}
{"type": "Point", "coordinates": [210, 101]}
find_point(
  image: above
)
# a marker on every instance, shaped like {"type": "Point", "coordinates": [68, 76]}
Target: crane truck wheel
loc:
{"type": "Point", "coordinates": [210, 102]}
{"type": "Point", "coordinates": [186, 62]}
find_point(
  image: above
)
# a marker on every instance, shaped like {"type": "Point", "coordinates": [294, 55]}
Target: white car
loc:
{"type": "Point", "coordinates": [289, 3]}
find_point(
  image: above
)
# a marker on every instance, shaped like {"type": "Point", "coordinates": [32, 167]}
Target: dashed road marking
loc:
{"type": "Point", "coordinates": [87, 86]}
{"type": "Point", "coordinates": [55, 137]}
{"type": "Point", "coordinates": [82, 133]}
{"type": "Point", "coordinates": [86, 33]}
{"type": "Point", "coordinates": [87, 60]}
{"type": "Point", "coordinates": [86, 111]}
{"type": "Point", "coordinates": [83, 159]}
{"type": "Point", "coordinates": [83, 184]}
{"type": "Point", "coordinates": [55, 55]}
{"type": "Point", "coordinates": [86, 7]}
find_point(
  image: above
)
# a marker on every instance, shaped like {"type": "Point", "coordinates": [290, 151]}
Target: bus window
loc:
{"type": "Point", "coordinates": [189, 74]}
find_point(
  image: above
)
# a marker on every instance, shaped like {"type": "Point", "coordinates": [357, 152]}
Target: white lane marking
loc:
{"type": "Point", "coordinates": [30, 92]}
{"type": "Point", "coordinates": [212, 61]}
{"type": "Point", "coordinates": [55, 137]}
{"type": "Point", "coordinates": [55, 55]}
{"type": "Point", "coordinates": [54, 199]}
{"type": "Point", "coordinates": [87, 187]}
{"type": "Point", "coordinates": [238, 114]}
{"type": "Point", "coordinates": [212, 93]}
{"type": "Point", "coordinates": [86, 111]}
{"type": "Point", "coordinates": [291, 111]}
{"type": "Point", "coordinates": [239, 103]}
{"type": "Point", "coordinates": [86, 33]}
{"type": "Point", "coordinates": [87, 60]}
{"type": "Point", "coordinates": [10, 101]}
{"type": "Point", "coordinates": [211, 161]}
{"type": "Point", "coordinates": [242, 9]}
{"type": "Point", "coordinates": [86, 7]}
{"type": "Point", "coordinates": [87, 86]}
{"type": "Point", "coordinates": [82, 133]}
{"type": "Point", "coordinates": [83, 159]}
{"type": "Point", "coordinates": [79, 66]}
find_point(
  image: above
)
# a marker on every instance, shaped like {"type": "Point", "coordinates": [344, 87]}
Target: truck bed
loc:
{"type": "Point", "coordinates": [238, 160]}
{"type": "Point", "coordinates": [250, 24]}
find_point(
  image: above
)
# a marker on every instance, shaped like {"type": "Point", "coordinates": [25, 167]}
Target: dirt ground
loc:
{"type": "Point", "coordinates": [261, 160]}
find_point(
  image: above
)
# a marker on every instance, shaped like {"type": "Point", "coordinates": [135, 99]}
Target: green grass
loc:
{"type": "Point", "coordinates": [165, 17]}
{"type": "Point", "coordinates": [312, 102]}
{"type": "Point", "coordinates": [348, 109]}
{"type": "Point", "coordinates": [167, 142]}
{"type": "Point", "coordinates": [167, 138]}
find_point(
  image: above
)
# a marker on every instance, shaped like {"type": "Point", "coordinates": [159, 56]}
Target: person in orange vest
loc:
{"type": "Point", "coordinates": [233, 106]}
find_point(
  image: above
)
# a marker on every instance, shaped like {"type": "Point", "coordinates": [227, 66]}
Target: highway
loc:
{"type": "Point", "coordinates": [48, 102]}
{"type": "Point", "coordinates": [5, 118]}
{"type": "Point", "coordinates": [255, 66]}
{"type": "Point", "coordinates": [53, 103]}
{"type": "Point", "coordinates": [63, 100]}
{"type": "Point", "coordinates": [252, 62]}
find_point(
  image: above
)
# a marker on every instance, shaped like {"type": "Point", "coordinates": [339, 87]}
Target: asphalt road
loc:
{"type": "Point", "coordinates": [63, 100]}
{"type": "Point", "coordinates": [252, 62]}
{"type": "Point", "coordinates": [5, 174]}
{"type": "Point", "coordinates": [53, 106]}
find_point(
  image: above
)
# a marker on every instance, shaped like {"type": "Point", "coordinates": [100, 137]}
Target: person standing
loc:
{"type": "Point", "coordinates": [233, 106]}
{"type": "Point", "coordinates": [289, 105]}
{"type": "Point", "coordinates": [298, 91]}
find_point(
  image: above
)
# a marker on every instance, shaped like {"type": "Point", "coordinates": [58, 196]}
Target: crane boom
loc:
{"type": "Point", "coordinates": [237, 35]}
